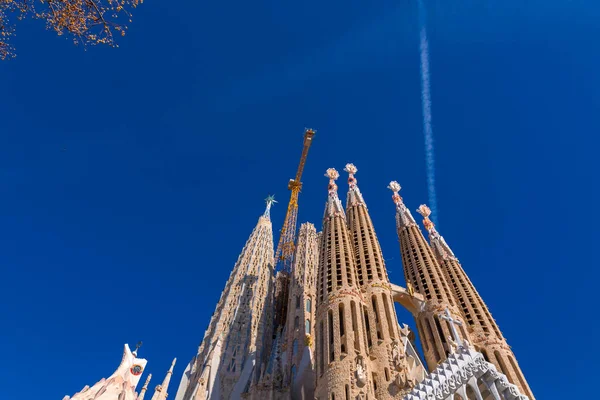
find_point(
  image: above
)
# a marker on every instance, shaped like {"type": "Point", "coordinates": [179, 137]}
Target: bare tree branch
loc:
{"type": "Point", "coordinates": [86, 22]}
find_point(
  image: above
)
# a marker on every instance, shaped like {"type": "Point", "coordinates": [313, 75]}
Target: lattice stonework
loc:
{"type": "Point", "coordinates": [235, 339]}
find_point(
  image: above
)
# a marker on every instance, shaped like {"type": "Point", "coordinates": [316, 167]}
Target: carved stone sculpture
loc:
{"type": "Point", "coordinates": [361, 373]}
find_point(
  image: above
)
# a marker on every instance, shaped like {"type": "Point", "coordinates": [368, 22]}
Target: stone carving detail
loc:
{"type": "Point", "coordinates": [464, 367]}
{"type": "Point", "coordinates": [360, 373]}
{"type": "Point", "coordinates": [452, 345]}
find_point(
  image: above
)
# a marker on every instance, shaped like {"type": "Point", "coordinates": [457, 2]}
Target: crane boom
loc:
{"type": "Point", "coordinates": [285, 247]}
{"type": "Point", "coordinates": [284, 255]}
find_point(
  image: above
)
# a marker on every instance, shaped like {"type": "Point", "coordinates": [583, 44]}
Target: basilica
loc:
{"type": "Point", "coordinates": [325, 327]}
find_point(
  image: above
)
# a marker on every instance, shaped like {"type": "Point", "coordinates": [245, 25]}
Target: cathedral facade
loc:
{"type": "Point", "coordinates": [338, 337]}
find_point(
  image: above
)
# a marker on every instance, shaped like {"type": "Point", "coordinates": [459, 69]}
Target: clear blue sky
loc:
{"type": "Point", "coordinates": [130, 178]}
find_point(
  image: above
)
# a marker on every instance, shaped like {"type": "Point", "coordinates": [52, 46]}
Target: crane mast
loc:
{"type": "Point", "coordinates": [284, 256]}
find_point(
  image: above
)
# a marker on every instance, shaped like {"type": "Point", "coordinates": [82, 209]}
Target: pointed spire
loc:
{"type": "Point", "coordinates": [144, 388]}
{"type": "Point", "coordinates": [269, 200]}
{"type": "Point", "coordinates": [403, 216]}
{"type": "Point", "coordinates": [160, 393]}
{"type": "Point", "coordinates": [438, 244]}
{"type": "Point", "coordinates": [354, 195]}
{"type": "Point", "coordinates": [334, 205]}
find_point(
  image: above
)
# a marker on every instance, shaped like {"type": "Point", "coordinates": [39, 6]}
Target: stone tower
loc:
{"type": "Point", "coordinates": [231, 353]}
{"type": "Point", "coordinates": [424, 274]}
{"type": "Point", "coordinates": [300, 320]}
{"type": "Point", "coordinates": [483, 331]}
{"type": "Point", "coordinates": [341, 348]}
{"type": "Point", "coordinates": [390, 373]}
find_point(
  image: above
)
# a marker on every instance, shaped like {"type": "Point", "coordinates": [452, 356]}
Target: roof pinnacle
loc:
{"type": "Point", "coordinates": [438, 244]}
{"type": "Point", "coordinates": [351, 170]}
{"type": "Point", "coordinates": [354, 195]}
{"type": "Point", "coordinates": [137, 346]}
{"type": "Point", "coordinates": [426, 212]}
{"type": "Point", "coordinates": [269, 200]}
{"type": "Point", "coordinates": [333, 175]}
{"type": "Point", "coordinates": [403, 216]}
{"type": "Point", "coordinates": [145, 387]}
{"type": "Point", "coordinates": [334, 205]}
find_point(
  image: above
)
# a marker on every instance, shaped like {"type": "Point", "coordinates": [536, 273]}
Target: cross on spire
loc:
{"type": "Point", "coordinates": [446, 315]}
{"type": "Point", "coordinates": [269, 200]}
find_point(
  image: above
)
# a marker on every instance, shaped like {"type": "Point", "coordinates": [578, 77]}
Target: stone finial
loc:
{"type": "Point", "coordinates": [270, 200]}
{"type": "Point", "coordinates": [403, 216]}
{"type": "Point", "coordinates": [351, 170]}
{"type": "Point", "coordinates": [426, 212]}
{"type": "Point", "coordinates": [137, 347]}
{"type": "Point", "coordinates": [394, 187]}
{"type": "Point", "coordinates": [333, 175]}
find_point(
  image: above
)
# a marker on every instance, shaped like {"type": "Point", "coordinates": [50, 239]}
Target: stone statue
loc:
{"type": "Point", "coordinates": [361, 373]}
{"type": "Point", "coordinates": [452, 345]}
{"type": "Point", "coordinates": [397, 358]}
{"type": "Point", "coordinates": [405, 330]}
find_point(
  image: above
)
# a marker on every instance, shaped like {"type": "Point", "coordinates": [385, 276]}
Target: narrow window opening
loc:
{"type": "Point", "coordinates": [354, 325]}
{"type": "Point", "coordinates": [368, 328]}
{"type": "Point", "coordinates": [388, 315]}
{"type": "Point", "coordinates": [341, 312]}
{"type": "Point", "coordinates": [322, 349]}
{"type": "Point", "coordinates": [330, 327]}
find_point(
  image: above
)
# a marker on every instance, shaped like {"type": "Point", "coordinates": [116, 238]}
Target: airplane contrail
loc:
{"type": "Point", "coordinates": [426, 105]}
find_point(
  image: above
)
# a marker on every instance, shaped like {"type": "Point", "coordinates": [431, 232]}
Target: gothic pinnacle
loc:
{"type": "Point", "coordinates": [354, 195]}
{"type": "Point", "coordinates": [270, 200]}
{"type": "Point", "coordinates": [438, 244]}
{"type": "Point", "coordinates": [403, 216]}
{"type": "Point", "coordinates": [334, 205]}
{"type": "Point", "coordinates": [144, 388]}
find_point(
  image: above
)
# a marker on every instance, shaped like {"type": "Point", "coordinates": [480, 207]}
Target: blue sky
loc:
{"type": "Point", "coordinates": [130, 178]}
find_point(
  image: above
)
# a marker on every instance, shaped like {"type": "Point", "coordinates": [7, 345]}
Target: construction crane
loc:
{"type": "Point", "coordinates": [284, 255]}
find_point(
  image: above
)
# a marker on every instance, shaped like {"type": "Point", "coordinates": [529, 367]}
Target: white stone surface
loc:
{"type": "Point", "coordinates": [120, 385]}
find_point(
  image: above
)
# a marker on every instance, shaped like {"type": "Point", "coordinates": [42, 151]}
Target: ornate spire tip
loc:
{"type": "Point", "coordinates": [269, 200]}
{"type": "Point", "coordinates": [351, 169]}
{"type": "Point", "coordinates": [394, 187]}
{"type": "Point", "coordinates": [424, 211]}
{"type": "Point", "coordinates": [332, 174]}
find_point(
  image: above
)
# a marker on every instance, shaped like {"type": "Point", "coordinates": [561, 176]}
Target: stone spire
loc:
{"type": "Point", "coordinates": [270, 200]}
{"type": "Point", "coordinates": [341, 345]}
{"type": "Point", "coordinates": [300, 330]}
{"type": "Point", "coordinates": [333, 206]}
{"type": "Point", "coordinates": [144, 388]}
{"type": "Point", "coordinates": [386, 347]}
{"type": "Point", "coordinates": [482, 328]}
{"type": "Point", "coordinates": [161, 391]}
{"type": "Point", "coordinates": [424, 274]}
{"type": "Point", "coordinates": [231, 353]}
{"type": "Point", "coordinates": [120, 385]}
{"type": "Point", "coordinates": [403, 216]}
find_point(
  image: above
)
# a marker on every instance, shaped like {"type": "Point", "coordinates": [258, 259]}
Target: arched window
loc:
{"type": "Point", "coordinates": [296, 322]}
{"type": "Point", "coordinates": [295, 347]}
{"type": "Point", "coordinates": [297, 301]}
{"type": "Point", "coordinates": [307, 326]}
{"type": "Point", "coordinates": [308, 305]}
